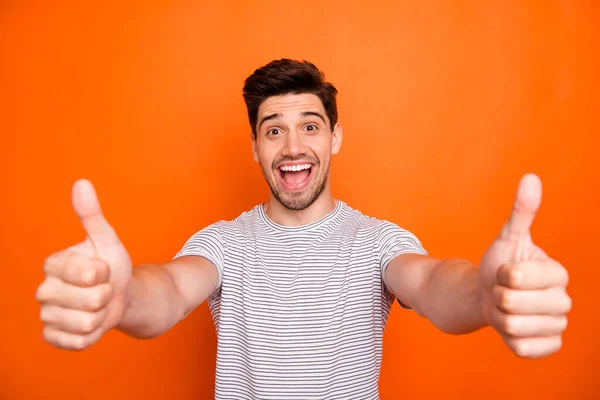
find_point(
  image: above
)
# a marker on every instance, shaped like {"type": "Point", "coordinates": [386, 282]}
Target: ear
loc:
{"type": "Point", "coordinates": [254, 151]}
{"type": "Point", "coordinates": [336, 138]}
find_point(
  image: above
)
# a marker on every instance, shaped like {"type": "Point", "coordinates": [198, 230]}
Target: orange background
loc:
{"type": "Point", "coordinates": [444, 106]}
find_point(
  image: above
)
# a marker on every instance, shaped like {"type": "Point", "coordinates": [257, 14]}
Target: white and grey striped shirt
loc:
{"type": "Point", "coordinates": [300, 311]}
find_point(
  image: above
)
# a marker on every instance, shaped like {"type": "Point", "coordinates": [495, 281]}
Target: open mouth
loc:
{"type": "Point", "coordinates": [295, 177]}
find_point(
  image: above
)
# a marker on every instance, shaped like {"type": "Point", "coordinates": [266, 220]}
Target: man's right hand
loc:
{"type": "Point", "coordinates": [85, 291]}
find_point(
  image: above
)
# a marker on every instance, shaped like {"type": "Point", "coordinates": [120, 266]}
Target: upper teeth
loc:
{"type": "Point", "coordinates": [295, 167]}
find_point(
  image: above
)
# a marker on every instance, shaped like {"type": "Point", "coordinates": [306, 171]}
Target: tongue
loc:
{"type": "Point", "coordinates": [295, 177]}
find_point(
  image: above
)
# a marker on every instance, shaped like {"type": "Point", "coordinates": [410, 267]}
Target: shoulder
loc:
{"type": "Point", "coordinates": [367, 223]}
{"type": "Point", "coordinates": [381, 231]}
{"type": "Point", "coordinates": [226, 226]}
{"type": "Point", "coordinates": [214, 237]}
{"type": "Point", "coordinates": [243, 223]}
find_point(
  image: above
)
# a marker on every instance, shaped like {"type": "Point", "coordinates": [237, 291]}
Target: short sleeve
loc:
{"type": "Point", "coordinates": [393, 241]}
{"type": "Point", "coordinates": [206, 243]}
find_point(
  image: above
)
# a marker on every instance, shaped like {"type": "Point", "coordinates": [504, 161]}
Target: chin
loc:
{"type": "Point", "coordinates": [298, 201]}
{"type": "Point", "coordinates": [296, 204]}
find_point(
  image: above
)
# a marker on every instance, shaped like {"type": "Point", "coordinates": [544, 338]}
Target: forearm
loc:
{"type": "Point", "coordinates": [153, 305]}
{"type": "Point", "coordinates": [452, 297]}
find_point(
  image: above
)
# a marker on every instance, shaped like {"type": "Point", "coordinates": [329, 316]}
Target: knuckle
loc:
{"type": "Point", "coordinates": [77, 269]}
{"type": "Point", "coordinates": [510, 326]}
{"type": "Point", "coordinates": [507, 300]}
{"type": "Point", "coordinates": [568, 303]}
{"type": "Point", "coordinates": [88, 324]}
{"type": "Point", "coordinates": [558, 343]}
{"type": "Point", "coordinates": [564, 276]}
{"type": "Point", "coordinates": [99, 297]}
{"type": "Point", "coordinates": [554, 346]}
{"type": "Point", "coordinates": [94, 300]}
{"type": "Point", "coordinates": [45, 315]}
{"type": "Point", "coordinates": [86, 274]}
{"type": "Point", "coordinates": [45, 266]}
{"type": "Point", "coordinates": [521, 349]}
{"type": "Point", "coordinates": [560, 298]}
{"type": "Point", "coordinates": [79, 342]}
{"type": "Point", "coordinates": [49, 336]}
{"type": "Point", "coordinates": [497, 295]}
{"type": "Point", "coordinates": [45, 332]}
{"type": "Point", "coordinates": [40, 292]}
{"type": "Point", "coordinates": [48, 262]}
{"type": "Point", "coordinates": [45, 290]}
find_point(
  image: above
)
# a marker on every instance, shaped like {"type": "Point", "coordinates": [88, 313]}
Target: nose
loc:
{"type": "Point", "coordinates": [293, 145]}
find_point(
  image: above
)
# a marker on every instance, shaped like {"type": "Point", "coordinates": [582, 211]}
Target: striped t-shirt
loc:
{"type": "Point", "coordinates": [300, 310]}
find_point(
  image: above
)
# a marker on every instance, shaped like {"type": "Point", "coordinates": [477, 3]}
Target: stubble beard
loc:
{"type": "Point", "coordinates": [299, 200]}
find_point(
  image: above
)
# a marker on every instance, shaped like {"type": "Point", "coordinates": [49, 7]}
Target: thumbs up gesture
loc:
{"type": "Point", "coordinates": [84, 292]}
{"type": "Point", "coordinates": [524, 291]}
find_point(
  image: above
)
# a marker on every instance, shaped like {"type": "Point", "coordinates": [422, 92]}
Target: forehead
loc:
{"type": "Point", "coordinates": [291, 104]}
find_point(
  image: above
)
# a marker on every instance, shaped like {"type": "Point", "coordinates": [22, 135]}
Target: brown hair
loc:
{"type": "Point", "coordinates": [287, 76]}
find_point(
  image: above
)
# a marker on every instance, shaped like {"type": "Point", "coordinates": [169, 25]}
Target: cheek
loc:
{"type": "Point", "coordinates": [266, 158]}
{"type": "Point", "coordinates": [322, 151]}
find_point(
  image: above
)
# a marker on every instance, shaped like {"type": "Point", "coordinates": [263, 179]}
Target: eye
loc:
{"type": "Point", "coordinates": [312, 127]}
{"type": "Point", "coordinates": [273, 132]}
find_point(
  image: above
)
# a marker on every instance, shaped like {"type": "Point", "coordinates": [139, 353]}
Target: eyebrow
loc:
{"type": "Point", "coordinates": [279, 115]}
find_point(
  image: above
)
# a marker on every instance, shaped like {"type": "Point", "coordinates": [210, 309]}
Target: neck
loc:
{"type": "Point", "coordinates": [321, 207]}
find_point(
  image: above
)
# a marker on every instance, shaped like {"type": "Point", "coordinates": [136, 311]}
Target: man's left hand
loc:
{"type": "Point", "coordinates": [523, 290]}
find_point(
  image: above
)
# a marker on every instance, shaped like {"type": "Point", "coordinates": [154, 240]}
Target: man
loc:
{"type": "Point", "coordinates": [300, 286]}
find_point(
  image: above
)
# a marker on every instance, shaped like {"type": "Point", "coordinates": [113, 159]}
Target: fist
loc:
{"type": "Point", "coordinates": [530, 306]}
{"type": "Point", "coordinates": [74, 299]}
{"type": "Point", "coordinates": [85, 289]}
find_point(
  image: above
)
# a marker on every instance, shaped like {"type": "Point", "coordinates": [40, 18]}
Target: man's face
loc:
{"type": "Point", "coordinates": [293, 146]}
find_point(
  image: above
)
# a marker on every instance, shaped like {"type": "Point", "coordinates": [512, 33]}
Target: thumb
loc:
{"type": "Point", "coordinates": [526, 205]}
{"type": "Point", "coordinates": [87, 208]}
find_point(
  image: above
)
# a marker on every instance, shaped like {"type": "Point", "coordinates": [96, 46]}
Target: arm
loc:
{"type": "Point", "coordinates": [159, 296]}
{"type": "Point", "coordinates": [517, 289]}
{"type": "Point", "coordinates": [448, 293]}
